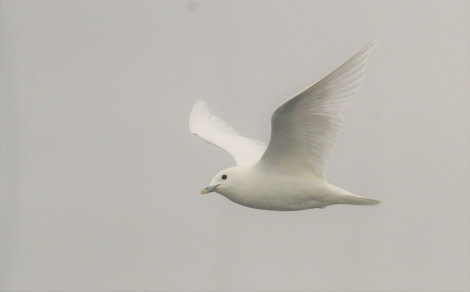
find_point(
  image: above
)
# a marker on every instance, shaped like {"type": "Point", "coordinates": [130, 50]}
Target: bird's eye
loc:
{"type": "Point", "coordinates": [224, 176]}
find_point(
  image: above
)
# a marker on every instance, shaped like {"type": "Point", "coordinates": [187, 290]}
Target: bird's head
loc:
{"type": "Point", "coordinates": [224, 182]}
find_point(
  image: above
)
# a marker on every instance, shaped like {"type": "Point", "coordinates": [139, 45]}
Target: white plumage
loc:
{"type": "Point", "coordinates": [288, 174]}
{"type": "Point", "coordinates": [215, 131]}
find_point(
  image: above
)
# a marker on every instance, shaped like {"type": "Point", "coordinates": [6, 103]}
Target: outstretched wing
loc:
{"type": "Point", "coordinates": [304, 129]}
{"type": "Point", "coordinates": [215, 131]}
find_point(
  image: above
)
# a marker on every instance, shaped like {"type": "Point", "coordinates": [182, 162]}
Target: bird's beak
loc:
{"type": "Point", "coordinates": [209, 189]}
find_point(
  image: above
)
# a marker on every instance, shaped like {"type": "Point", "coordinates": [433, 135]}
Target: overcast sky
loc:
{"type": "Point", "coordinates": [100, 177]}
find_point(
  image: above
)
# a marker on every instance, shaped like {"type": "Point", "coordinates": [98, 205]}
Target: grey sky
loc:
{"type": "Point", "coordinates": [100, 177]}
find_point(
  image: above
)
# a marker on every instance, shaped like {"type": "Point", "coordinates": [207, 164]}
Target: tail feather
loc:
{"type": "Point", "coordinates": [341, 196]}
{"type": "Point", "coordinates": [358, 200]}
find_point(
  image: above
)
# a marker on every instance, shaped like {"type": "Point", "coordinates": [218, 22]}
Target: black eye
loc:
{"type": "Point", "coordinates": [224, 176]}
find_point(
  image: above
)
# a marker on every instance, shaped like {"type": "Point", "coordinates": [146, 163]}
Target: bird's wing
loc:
{"type": "Point", "coordinates": [215, 131]}
{"type": "Point", "coordinates": [304, 128]}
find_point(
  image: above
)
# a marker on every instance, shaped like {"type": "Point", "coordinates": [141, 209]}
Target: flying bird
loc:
{"type": "Point", "coordinates": [288, 173]}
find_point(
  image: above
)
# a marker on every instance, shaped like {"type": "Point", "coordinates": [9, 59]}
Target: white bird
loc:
{"type": "Point", "coordinates": [288, 174]}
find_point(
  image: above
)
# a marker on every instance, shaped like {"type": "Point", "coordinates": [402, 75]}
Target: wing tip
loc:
{"type": "Point", "coordinates": [372, 44]}
{"type": "Point", "coordinates": [199, 108]}
{"type": "Point", "coordinates": [364, 52]}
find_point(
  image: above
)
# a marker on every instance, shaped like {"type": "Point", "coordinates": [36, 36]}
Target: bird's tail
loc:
{"type": "Point", "coordinates": [357, 200]}
{"type": "Point", "coordinates": [344, 197]}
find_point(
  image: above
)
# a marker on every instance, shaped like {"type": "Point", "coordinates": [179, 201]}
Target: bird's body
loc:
{"type": "Point", "coordinates": [257, 187]}
{"type": "Point", "coordinates": [287, 174]}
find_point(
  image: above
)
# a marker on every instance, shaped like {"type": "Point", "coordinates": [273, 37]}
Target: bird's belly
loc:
{"type": "Point", "coordinates": [284, 195]}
